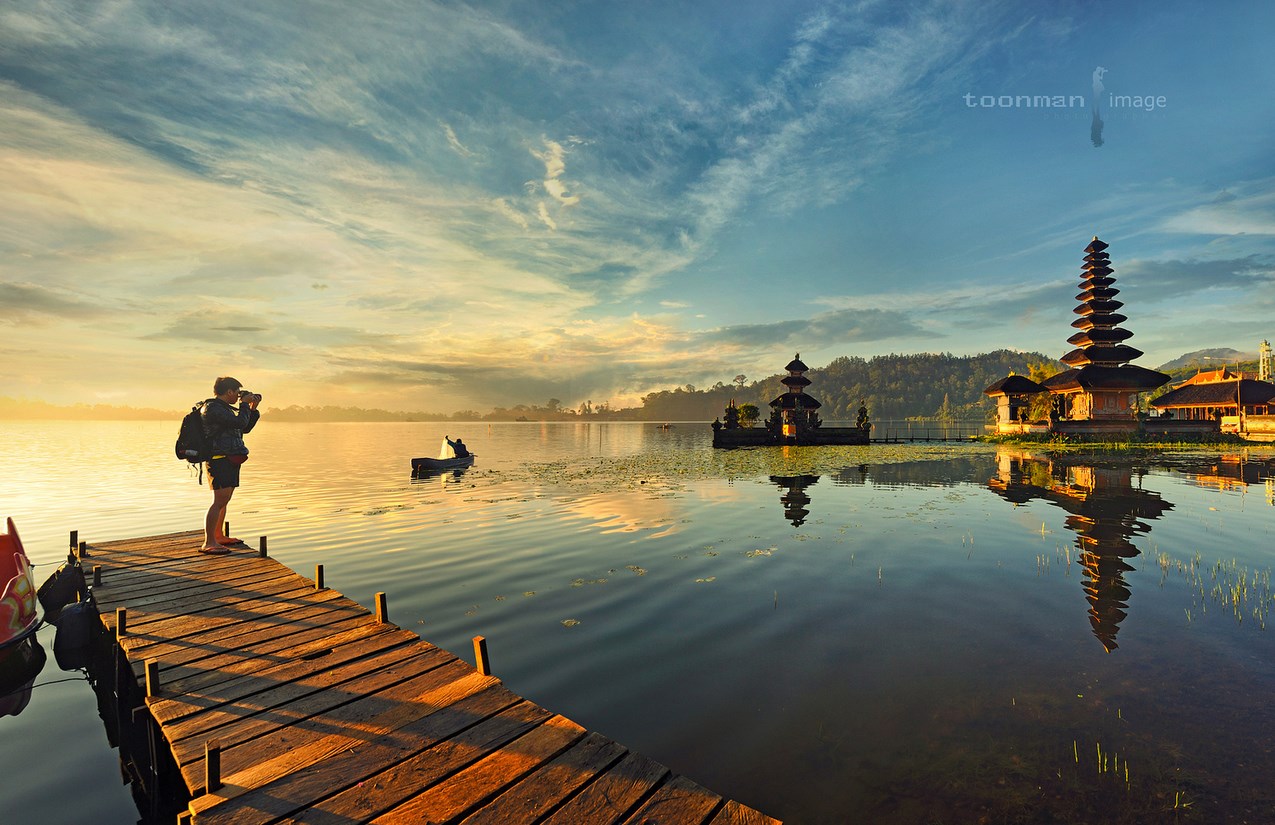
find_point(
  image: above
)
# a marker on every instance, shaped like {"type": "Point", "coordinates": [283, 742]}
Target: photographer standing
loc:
{"type": "Point", "coordinates": [225, 427]}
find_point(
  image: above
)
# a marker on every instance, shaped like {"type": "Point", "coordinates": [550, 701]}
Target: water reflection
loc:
{"type": "Point", "coordinates": [794, 497]}
{"type": "Point", "coordinates": [1106, 505]}
{"type": "Point", "coordinates": [1228, 472]}
{"type": "Point", "coordinates": [19, 665]}
{"type": "Point", "coordinates": [442, 478]}
{"type": "Point", "coordinates": [949, 471]}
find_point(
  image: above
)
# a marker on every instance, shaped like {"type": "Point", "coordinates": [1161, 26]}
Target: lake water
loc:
{"type": "Point", "coordinates": [887, 634]}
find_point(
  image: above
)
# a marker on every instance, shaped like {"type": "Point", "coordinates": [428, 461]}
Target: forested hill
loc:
{"type": "Point", "coordinates": [893, 387]}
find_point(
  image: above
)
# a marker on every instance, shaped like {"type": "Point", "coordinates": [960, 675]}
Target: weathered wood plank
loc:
{"type": "Point", "coordinates": [613, 794]}
{"type": "Point", "coordinates": [182, 700]}
{"type": "Point", "coordinates": [157, 596]}
{"type": "Point", "coordinates": [264, 633]}
{"type": "Point", "coordinates": [462, 792]}
{"type": "Point", "coordinates": [378, 777]}
{"type": "Point", "coordinates": [538, 793]}
{"type": "Point", "coordinates": [261, 607]}
{"type": "Point", "coordinates": [733, 813]}
{"type": "Point", "coordinates": [295, 702]}
{"type": "Point", "coordinates": [677, 802]}
{"type": "Point", "coordinates": [205, 674]}
{"type": "Point", "coordinates": [300, 748]}
{"type": "Point", "coordinates": [220, 603]}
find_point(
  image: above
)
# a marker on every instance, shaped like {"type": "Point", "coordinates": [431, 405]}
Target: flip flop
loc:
{"type": "Point", "coordinates": [215, 551]}
{"type": "Point", "coordinates": [229, 540]}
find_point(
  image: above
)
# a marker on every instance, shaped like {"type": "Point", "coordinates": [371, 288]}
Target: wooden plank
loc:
{"type": "Point", "coordinates": [192, 591]}
{"type": "Point", "coordinates": [191, 638]}
{"type": "Point", "coordinates": [544, 789]}
{"type": "Point", "coordinates": [612, 795]}
{"type": "Point", "coordinates": [286, 704]}
{"type": "Point", "coordinates": [677, 802]}
{"type": "Point", "coordinates": [301, 748]}
{"type": "Point", "coordinates": [215, 604]}
{"type": "Point", "coordinates": [262, 635]}
{"type": "Point", "coordinates": [204, 674]}
{"type": "Point", "coordinates": [128, 569]}
{"type": "Point", "coordinates": [175, 705]}
{"type": "Point", "coordinates": [461, 792]}
{"type": "Point", "coordinates": [733, 813]}
{"type": "Point", "coordinates": [172, 620]}
{"type": "Point", "coordinates": [378, 777]}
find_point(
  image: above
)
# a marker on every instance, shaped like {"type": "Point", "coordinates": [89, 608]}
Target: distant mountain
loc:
{"type": "Point", "coordinates": [1207, 359]}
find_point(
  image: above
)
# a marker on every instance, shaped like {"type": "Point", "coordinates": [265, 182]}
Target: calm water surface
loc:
{"type": "Point", "coordinates": [879, 634]}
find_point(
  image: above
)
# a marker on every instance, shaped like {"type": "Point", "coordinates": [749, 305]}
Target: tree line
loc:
{"type": "Point", "coordinates": [894, 387]}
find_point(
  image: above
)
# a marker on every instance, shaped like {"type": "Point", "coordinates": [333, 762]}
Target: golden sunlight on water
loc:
{"type": "Point", "coordinates": [875, 633]}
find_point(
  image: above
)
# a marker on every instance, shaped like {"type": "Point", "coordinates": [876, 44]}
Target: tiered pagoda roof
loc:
{"type": "Point", "coordinates": [1101, 358]}
{"type": "Point", "coordinates": [796, 382]}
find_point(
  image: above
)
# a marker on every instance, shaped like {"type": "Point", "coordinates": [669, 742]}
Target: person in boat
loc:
{"type": "Point", "coordinates": [225, 427]}
{"type": "Point", "coordinates": [458, 447]}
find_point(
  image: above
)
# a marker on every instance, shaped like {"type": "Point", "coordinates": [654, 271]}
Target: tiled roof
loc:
{"type": "Point", "coordinates": [1217, 394]}
{"type": "Point", "coordinates": [1014, 385]}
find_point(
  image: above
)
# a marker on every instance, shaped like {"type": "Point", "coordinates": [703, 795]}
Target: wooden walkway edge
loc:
{"type": "Point", "coordinates": [283, 701]}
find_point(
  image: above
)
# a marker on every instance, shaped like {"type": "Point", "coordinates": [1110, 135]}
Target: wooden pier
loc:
{"type": "Point", "coordinates": [283, 701]}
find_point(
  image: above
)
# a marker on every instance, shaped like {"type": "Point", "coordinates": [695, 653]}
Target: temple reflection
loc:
{"type": "Point", "coordinates": [1230, 472]}
{"type": "Point", "coordinates": [794, 497]}
{"type": "Point", "coordinates": [1106, 506]}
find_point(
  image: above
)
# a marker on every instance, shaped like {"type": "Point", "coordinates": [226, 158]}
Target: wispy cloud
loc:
{"type": "Point", "coordinates": [407, 194]}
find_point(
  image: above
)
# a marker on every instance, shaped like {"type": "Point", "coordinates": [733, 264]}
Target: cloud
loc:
{"type": "Point", "coordinates": [32, 303]}
{"type": "Point", "coordinates": [1229, 214]}
{"type": "Point", "coordinates": [1173, 280]}
{"type": "Point", "coordinates": [455, 143]}
{"type": "Point", "coordinates": [823, 330]}
{"type": "Point", "coordinates": [542, 211]}
{"type": "Point", "coordinates": [555, 166]}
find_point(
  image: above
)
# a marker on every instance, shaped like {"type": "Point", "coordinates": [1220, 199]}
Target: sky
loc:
{"type": "Point", "coordinates": [449, 206]}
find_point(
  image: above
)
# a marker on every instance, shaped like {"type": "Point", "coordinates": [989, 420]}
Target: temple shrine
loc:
{"type": "Point", "coordinates": [1098, 394]}
{"type": "Point", "coordinates": [794, 419]}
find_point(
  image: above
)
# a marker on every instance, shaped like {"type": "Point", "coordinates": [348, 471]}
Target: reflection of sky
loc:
{"type": "Point", "coordinates": [910, 589]}
{"type": "Point", "coordinates": [445, 206]}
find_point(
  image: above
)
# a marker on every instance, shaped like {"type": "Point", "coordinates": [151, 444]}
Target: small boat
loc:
{"type": "Point", "coordinates": [18, 616]}
{"type": "Point", "coordinates": [438, 465]}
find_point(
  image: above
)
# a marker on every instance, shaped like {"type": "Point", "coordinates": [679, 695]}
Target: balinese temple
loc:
{"type": "Point", "coordinates": [1098, 392]}
{"type": "Point", "coordinates": [1013, 395]}
{"type": "Point", "coordinates": [794, 419]}
{"type": "Point", "coordinates": [1106, 508]}
{"type": "Point", "coordinates": [794, 412]}
{"type": "Point", "coordinates": [1214, 395]}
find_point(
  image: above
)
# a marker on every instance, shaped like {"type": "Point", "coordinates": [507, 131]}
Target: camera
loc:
{"type": "Point", "coordinates": [246, 395]}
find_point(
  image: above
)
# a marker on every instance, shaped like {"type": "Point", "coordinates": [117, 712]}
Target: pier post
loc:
{"type": "Point", "coordinates": [262, 551]}
{"type": "Point", "coordinates": [75, 539]}
{"type": "Point", "coordinates": [212, 765]}
{"type": "Point", "coordinates": [225, 527]}
{"type": "Point", "coordinates": [481, 661]}
{"type": "Point", "coordinates": [121, 621]}
{"type": "Point", "coordinates": [382, 609]}
{"type": "Point", "coordinates": [84, 549]}
{"type": "Point", "coordinates": [152, 677]}
{"type": "Point", "coordinates": [97, 575]}
{"type": "Point", "coordinates": [318, 577]}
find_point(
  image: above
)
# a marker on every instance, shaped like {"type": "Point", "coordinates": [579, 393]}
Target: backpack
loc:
{"type": "Point", "coordinates": [192, 443]}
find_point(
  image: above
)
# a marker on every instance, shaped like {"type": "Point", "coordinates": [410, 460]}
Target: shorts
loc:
{"type": "Point", "coordinates": [223, 473]}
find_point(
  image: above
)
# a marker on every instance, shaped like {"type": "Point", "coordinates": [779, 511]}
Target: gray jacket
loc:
{"type": "Point", "coordinates": [225, 426]}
